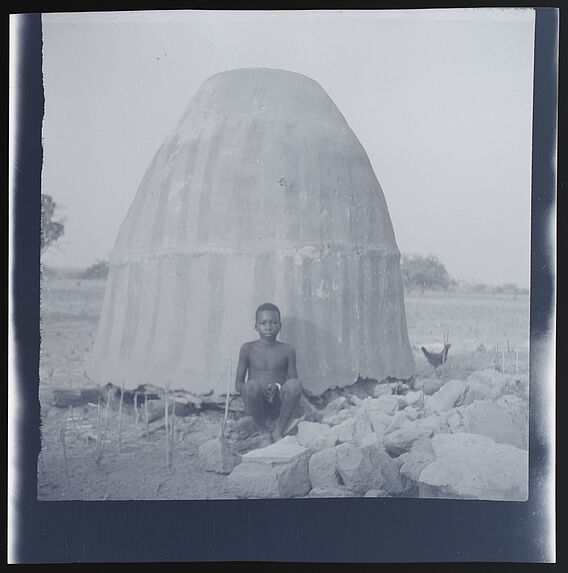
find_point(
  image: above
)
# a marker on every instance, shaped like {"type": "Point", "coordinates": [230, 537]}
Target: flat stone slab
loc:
{"type": "Point", "coordinates": [278, 470]}
{"type": "Point", "coordinates": [283, 451]}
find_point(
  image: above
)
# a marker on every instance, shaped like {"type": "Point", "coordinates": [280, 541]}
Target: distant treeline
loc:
{"type": "Point", "coordinates": [473, 287]}
{"type": "Point", "coordinates": [427, 273]}
{"type": "Point", "coordinates": [419, 274]}
{"type": "Point", "coordinates": [98, 270]}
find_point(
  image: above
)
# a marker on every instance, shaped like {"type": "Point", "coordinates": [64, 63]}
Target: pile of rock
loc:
{"type": "Point", "coordinates": [469, 439]}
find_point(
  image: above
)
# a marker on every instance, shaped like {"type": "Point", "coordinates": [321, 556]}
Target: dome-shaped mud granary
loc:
{"type": "Point", "coordinates": [261, 193]}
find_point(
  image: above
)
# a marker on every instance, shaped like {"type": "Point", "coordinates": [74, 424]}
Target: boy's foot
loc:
{"type": "Point", "coordinates": [242, 429]}
{"type": "Point", "coordinates": [260, 439]}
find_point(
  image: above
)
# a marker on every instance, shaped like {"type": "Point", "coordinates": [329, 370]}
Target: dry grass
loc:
{"type": "Point", "coordinates": [480, 327]}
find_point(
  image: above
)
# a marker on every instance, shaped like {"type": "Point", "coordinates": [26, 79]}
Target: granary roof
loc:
{"type": "Point", "coordinates": [261, 160]}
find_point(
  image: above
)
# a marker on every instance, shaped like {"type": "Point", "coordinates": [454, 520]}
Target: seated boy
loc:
{"type": "Point", "coordinates": [272, 389]}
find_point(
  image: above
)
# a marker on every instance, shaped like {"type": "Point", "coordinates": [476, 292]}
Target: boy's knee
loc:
{"type": "Point", "coordinates": [292, 388]}
{"type": "Point", "coordinates": [252, 389]}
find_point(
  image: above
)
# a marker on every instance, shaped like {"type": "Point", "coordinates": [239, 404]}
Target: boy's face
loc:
{"type": "Point", "coordinates": [268, 325]}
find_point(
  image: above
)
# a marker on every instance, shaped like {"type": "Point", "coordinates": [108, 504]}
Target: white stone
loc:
{"type": "Point", "coordinates": [508, 425]}
{"type": "Point", "coordinates": [449, 395]}
{"type": "Point", "coordinates": [379, 421]}
{"type": "Point", "coordinates": [401, 440]}
{"type": "Point", "coordinates": [335, 405]}
{"type": "Point", "coordinates": [217, 456]}
{"type": "Point", "coordinates": [398, 421]}
{"type": "Point", "coordinates": [370, 404]}
{"type": "Point", "coordinates": [371, 439]}
{"type": "Point", "coordinates": [399, 460]}
{"type": "Point", "coordinates": [454, 418]}
{"type": "Point", "coordinates": [337, 418]}
{"type": "Point", "coordinates": [355, 400]}
{"type": "Point", "coordinates": [354, 429]}
{"type": "Point", "coordinates": [411, 413]}
{"type": "Point", "coordinates": [279, 470]}
{"type": "Point", "coordinates": [437, 421]}
{"type": "Point", "coordinates": [381, 389]}
{"type": "Point", "coordinates": [393, 484]}
{"type": "Point", "coordinates": [322, 468]}
{"type": "Point", "coordinates": [336, 491]}
{"type": "Point", "coordinates": [315, 436]}
{"type": "Point", "coordinates": [432, 385]}
{"type": "Point", "coordinates": [512, 403]}
{"type": "Point", "coordinates": [473, 466]}
{"type": "Point", "coordinates": [388, 404]}
{"type": "Point", "coordinates": [414, 398]}
{"type": "Point", "coordinates": [283, 451]}
{"type": "Point", "coordinates": [357, 471]}
{"type": "Point", "coordinates": [368, 467]}
{"type": "Point", "coordinates": [420, 455]}
{"type": "Point", "coordinates": [491, 378]}
{"type": "Point", "coordinates": [477, 390]}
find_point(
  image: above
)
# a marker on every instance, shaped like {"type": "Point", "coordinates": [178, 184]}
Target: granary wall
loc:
{"type": "Point", "coordinates": [261, 193]}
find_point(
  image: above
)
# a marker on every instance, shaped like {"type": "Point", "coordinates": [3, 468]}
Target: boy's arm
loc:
{"type": "Point", "coordinates": [292, 370]}
{"type": "Point", "coordinates": [241, 369]}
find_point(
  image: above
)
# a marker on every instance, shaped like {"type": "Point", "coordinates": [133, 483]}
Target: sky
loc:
{"type": "Point", "coordinates": [441, 100]}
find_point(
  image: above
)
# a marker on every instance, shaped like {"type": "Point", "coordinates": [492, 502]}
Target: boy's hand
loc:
{"type": "Point", "coordinates": [270, 392]}
{"type": "Point", "coordinates": [239, 386]}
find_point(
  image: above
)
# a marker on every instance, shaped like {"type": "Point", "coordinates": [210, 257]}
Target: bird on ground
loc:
{"type": "Point", "coordinates": [436, 359]}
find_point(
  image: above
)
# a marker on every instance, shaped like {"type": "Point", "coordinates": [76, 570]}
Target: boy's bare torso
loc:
{"type": "Point", "coordinates": [269, 362]}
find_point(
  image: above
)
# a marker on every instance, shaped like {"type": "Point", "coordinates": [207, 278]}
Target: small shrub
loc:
{"type": "Point", "coordinates": [424, 273]}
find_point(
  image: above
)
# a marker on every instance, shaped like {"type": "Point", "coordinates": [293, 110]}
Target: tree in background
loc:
{"type": "Point", "coordinates": [51, 230]}
{"type": "Point", "coordinates": [98, 270]}
{"type": "Point", "coordinates": [424, 273]}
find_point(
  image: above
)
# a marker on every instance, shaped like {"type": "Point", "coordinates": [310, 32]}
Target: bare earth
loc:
{"type": "Point", "coordinates": [484, 330]}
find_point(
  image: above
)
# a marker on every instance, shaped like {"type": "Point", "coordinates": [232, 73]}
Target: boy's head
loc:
{"type": "Point", "coordinates": [267, 321]}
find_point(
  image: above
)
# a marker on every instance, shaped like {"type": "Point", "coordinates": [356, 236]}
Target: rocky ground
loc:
{"type": "Point", "coordinates": [466, 439]}
{"type": "Point", "coordinates": [460, 434]}
{"type": "Point", "coordinates": [439, 438]}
